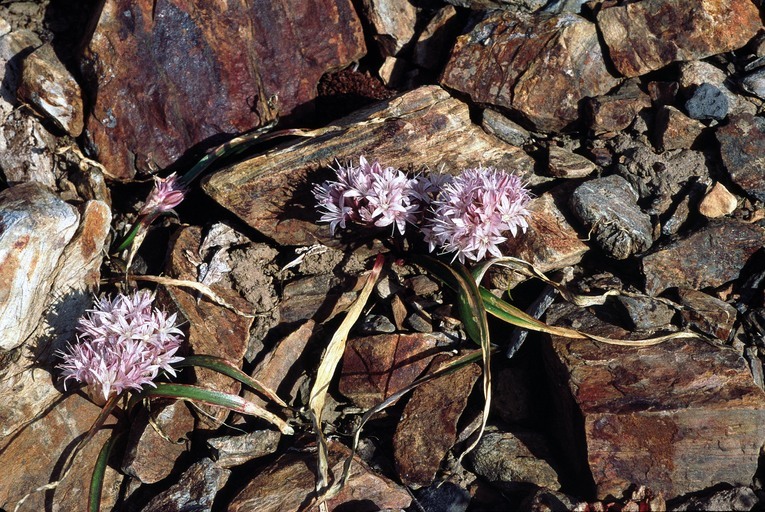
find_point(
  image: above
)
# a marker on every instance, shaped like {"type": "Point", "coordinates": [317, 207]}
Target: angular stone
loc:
{"type": "Point", "coordinates": [230, 451]}
{"type": "Point", "coordinates": [738, 499]}
{"type": "Point", "coordinates": [754, 83]}
{"type": "Point", "coordinates": [392, 23]}
{"type": "Point", "coordinates": [151, 456]}
{"type": "Point", "coordinates": [675, 130]}
{"type": "Point", "coordinates": [504, 128]}
{"type": "Point", "coordinates": [35, 227]}
{"type": "Point", "coordinates": [563, 163]}
{"type": "Point", "coordinates": [718, 202]}
{"type": "Point", "coordinates": [648, 35]}
{"type": "Point", "coordinates": [514, 461]}
{"type": "Point", "coordinates": [51, 90]}
{"type": "Point", "coordinates": [435, 406]}
{"type": "Point", "coordinates": [423, 127]}
{"type": "Point", "coordinates": [196, 489]}
{"type": "Point", "coordinates": [41, 448]}
{"type": "Point", "coordinates": [197, 71]}
{"type": "Point", "coordinates": [14, 46]}
{"type": "Point", "coordinates": [707, 102]}
{"type": "Point", "coordinates": [26, 151]}
{"type": "Point", "coordinates": [742, 146]}
{"type": "Point", "coordinates": [708, 257]}
{"type": "Point", "coordinates": [615, 112]}
{"type": "Point", "coordinates": [540, 65]}
{"type": "Point", "coordinates": [375, 367]}
{"type": "Point", "coordinates": [676, 417]}
{"type": "Point", "coordinates": [317, 297]}
{"type": "Point", "coordinates": [289, 484]}
{"type": "Point", "coordinates": [212, 329]}
{"type": "Point", "coordinates": [696, 72]}
{"type": "Point", "coordinates": [608, 209]}
{"type": "Point", "coordinates": [549, 244]}
{"type": "Point", "coordinates": [646, 313]}
{"type": "Point", "coordinates": [434, 42]}
{"type": "Point", "coordinates": [708, 314]}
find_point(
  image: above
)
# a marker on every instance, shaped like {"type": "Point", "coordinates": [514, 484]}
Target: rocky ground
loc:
{"type": "Point", "coordinates": [636, 125]}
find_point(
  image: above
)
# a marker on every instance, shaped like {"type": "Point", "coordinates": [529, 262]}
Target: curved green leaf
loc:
{"type": "Point", "coordinates": [99, 470]}
{"type": "Point", "coordinates": [218, 398]}
{"type": "Point", "coordinates": [226, 367]}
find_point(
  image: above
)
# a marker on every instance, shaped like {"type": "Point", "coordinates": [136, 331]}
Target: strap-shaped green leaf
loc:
{"type": "Point", "coordinates": [99, 471]}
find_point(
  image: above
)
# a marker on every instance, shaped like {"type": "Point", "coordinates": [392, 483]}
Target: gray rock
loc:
{"type": "Point", "coordinates": [443, 497]}
{"type": "Point", "coordinates": [195, 490]}
{"type": "Point", "coordinates": [230, 451]}
{"type": "Point", "coordinates": [608, 208]}
{"type": "Point", "coordinates": [26, 151]}
{"type": "Point", "coordinates": [13, 47]}
{"type": "Point", "coordinates": [646, 313]}
{"type": "Point", "coordinates": [505, 129]}
{"type": "Point", "coordinates": [754, 83]}
{"type": "Point", "coordinates": [736, 499]}
{"type": "Point", "coordinates": [514, 460]}
{"type": "Point", "coordinates": [707, 102]}
{"type": "Point", "coordinates": [374, 324]}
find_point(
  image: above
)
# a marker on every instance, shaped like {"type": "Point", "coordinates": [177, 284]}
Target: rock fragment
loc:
{"type": "Point", "coordinates": [14, 46]}
{"type": "Point", "coordinates": [563, 163]}
{"type": "Point", "coordinates": [423, 127]}
{"type": "Point", "coordinates": [646, 36]}
{"type": "Point", "coordinates": [615, 112]}
{"type": "Point", "coordinates": [504, 128]}
{"type": "Point", "coordinates": [707, 102]}
{"type": "Point", "coordinates": [718, 202]}
{"type": "Point", "coordinates": [230, 451]}
{"type": "Point", "coordinates": [677, 417]}
{"type": "Point", "coordinates": [540, 65]}
{"type": "Point", "coordinates": [742, 147]}
{"type": "Point", "coordinates": [737, 499]}
{"type": "Point", "coordinates": [49, 88]}
{"type": "Point", "coordinates": [196, 489]}
{"type": "Point", "coordinates": [675, 130]}
{"type": "Point", "coordinates": [708, 257]}
{"type": "Point", "coordinates": [26, 151]}
{"type": "Point", "coordinates": [392, 23]}
{"type": "Point", "coordinates": [708, 314]}
{"type": "Point", "coordinates": [432, 47]}
{"type": "Point", "coordinates": [608, 209]}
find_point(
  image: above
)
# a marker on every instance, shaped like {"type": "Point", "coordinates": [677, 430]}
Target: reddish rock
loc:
{"type": "Point", "coordinates": [435, 406]}
{"type": "Point", "coordinates": [538, 64]}
{"type": "Point", "coordinates": [34, 457]}
{"type": "Point", "coordinates": [289, 484]}
{"type": "Point", "coordinates": [742, 147]}
{"type": "Point", "coordinates": [615, 112]}
{"type": "Point", "coordinates": [648, 35]}
{"type": "Point", "coordinates": [150, 457]}
{"type": "Point", "coordinates": [423, 127]}
{"type": "Point", "coordinates": [708, 257]}
{"type": "Point", "coordinates": [675, 130]}
{"type": "Point", "coordinates": [676, 417]}
{"type": "Point", "coordinates": [708, 314]}
{"type": "Point", "coordinates": [212, 329]}
{"type": "Point", "coordinates": [198, 70]}
{"type": "Point", "coordinates": [375, 367]}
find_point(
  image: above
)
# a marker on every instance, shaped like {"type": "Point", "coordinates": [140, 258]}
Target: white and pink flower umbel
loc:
{"type": "Point", "coordinates": [123, 343]}
{"type": "Point", "coordinates": [466, 215]}
{"type": "Point", "coordinates": [166, 195]}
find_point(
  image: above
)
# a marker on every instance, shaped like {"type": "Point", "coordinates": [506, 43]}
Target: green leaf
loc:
{"type": "Point", "coordinates": [99, 471]}
{"type": "Point", "coordinates": [218, 398]}
{"type": "Point", "coordinates": [226, 367]}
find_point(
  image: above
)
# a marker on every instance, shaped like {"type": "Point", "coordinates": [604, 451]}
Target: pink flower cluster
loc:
{"type": "Point", "coordinates": [167, 194]}
{"type": "Point", "coordinates": [370, 195]}
{"type": "Point", "coordinates": [122, 344]}
{"type": "Point", "coordinates": [472, 211]}
{"type": "Point", "coordinates": [466, 215]}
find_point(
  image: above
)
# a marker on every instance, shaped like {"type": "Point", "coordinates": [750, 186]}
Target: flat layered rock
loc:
{"type": "Point", "coordinates": [648, 35]}
{"type": "Point", "coordinates": [196, 71]}
{"type": "Point", "coordinates": [677, 417]}
{"type": "Point", "coordinates": [540, 65]}
{"type": "Point", "coordinates": [289, 484]}
{"type": "Point", "coordinates": [196, 489]}
{"type": "Point", "coordinates": [423, 127]}
{"type": "Point", "coordinates": [708, 257]}
{"type": "Point", "coordinates": [742, 147]}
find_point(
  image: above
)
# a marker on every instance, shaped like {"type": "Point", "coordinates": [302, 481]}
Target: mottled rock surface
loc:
{"type": "Point", "coordinates": [197, 71]}
{"type": "Point", "coordinates": [742, 147]}
{"type": "Point", "coordinates": [540, 65]}
{"type": "Point", "coordinates": [708, 257]}
{"type": "Point", "coordinates": [14, 46]}
{"type": "Point", "coordinates": [648, 35]}
{"type": "Point", "coordinates": [272, 193]}
{"type": "Point", "coordinates": [676, 417]}
{"type": "Point", "coordinates": [196, 489]}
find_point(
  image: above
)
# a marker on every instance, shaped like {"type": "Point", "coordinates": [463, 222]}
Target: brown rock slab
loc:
{"type": "Point", "coordinates": [199, 70]}
{"type": "Point", "coordinates": [708, 257]}
{"type": "Point", "coordinates": [540, 65]}
{"type": "Point", "coordinates": [375, 367]}
{"type": "Point", "coordinates": [675, 130]}
{"type": "Point", "coordinates": [212, 329]}
{"type": "Point", "coordinates": [423, 127]}
{"type": "Point", "coordinates": [34, 456]}
{"type": "Point", "coordinates": [289, 484]}
{"type": "Point", "coordinates": [196, 489]}
{"type": "Point", "coordinates": [550, 243]}
{"type": "Point", "coordinates": [230, 451]}
{"type": "Point", "coordinates": [648, 35]}
{"type": "Point", "coordinates": [392, 23]}
{"type": "Point", "coordinates": [742, 147]}
{"type": "Point", "coordinates": [151, 456]}
{"type": "Point", "coordinates": [708, 314]}
{"type": "Point", "coordinates": [563, 163]}
{"type": "Point", "coordinates": [50, 89]}
{"type": "Point", "coordinates": [676, 417]}
{"type": "Point", "coordinates": [615, 112]}
{"type": "Point", "coordinates": [435, 406]}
